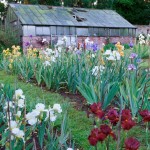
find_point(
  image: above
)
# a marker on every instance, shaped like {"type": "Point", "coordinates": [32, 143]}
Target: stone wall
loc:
{"type": "Point", "coordinates": [142, 29]}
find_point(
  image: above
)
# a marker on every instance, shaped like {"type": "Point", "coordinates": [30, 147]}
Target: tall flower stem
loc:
{"type": "Point", "coordinates": [8, 110]}
{"type": "Point", "coordinates": [119, 127]}
{"type": "Point", "coordinates": [147, 143]}
{"type": "Point", "coordinates": [24, 122]}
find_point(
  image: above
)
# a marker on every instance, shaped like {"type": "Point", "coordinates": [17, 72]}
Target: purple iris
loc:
{"type": "Point", "coordinates": [78, 52]}
{"type": "Point", "coordinates": [139, 60]}
{"type": "Point", "coordinates": [131, 44]}
{"type": "Point", "coordinates": [131, 67]}
{"type": "Point", "coordinates": [133, 55]}
{"type": "Point", "coordinates": [30, 36]}
{"type": "Point", "coordinates": [94, 46]}
{"type": "Point", "coordinates": [27, 44]}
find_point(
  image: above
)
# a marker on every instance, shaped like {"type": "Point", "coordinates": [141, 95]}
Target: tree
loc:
{"type": "Point", "coordinates": [135, 11]}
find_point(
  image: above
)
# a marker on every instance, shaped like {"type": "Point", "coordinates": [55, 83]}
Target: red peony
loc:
{"type": "Point", "coordinates": [132, 144]}
{"type": "Point", "coordinates": [96, 109]}
{"type": "Point", "coordinates": [127, 124]}
{"type": "Point", "coordinates": [145, 115]}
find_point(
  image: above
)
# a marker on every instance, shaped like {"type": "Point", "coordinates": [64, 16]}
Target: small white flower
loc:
{"type": "Point", "coordinates": [57, 107]}
{"type": "Point", "coordinates": [21, 103]}
{"type": "Point", "coordinates": [18, 133]}
{"type": "Point", "coordinates": [87, 40]}
{"type": "Point", "coordinates": [93, 55]}
{"type": "Point", "coordinates": [13, 124]}
{"type": "Point", "coordinates": [36, 112]}
{"type": "Point", "coordinates": [18, 113]}
{"type": "Point", "coordinates": [10, 105]}
{"type": "Point", "coordinates": [2, 85]}
{"type": "Point", "coordinates": [69, 149]}
{"type": "Point", "coordinates": [108, 52]}
{"type": "Point", "coordinates": [48, 51]}
{"type": "Point", "coordinates": [53, 59]}
{"type": "Point", "coordinates": [116, 55]}
{"type": "Point", "coordinates": [50, 114]}
{"type": "Point", "coordinates": [44, 40]}
{"type": "Point", "coordinates": [101, 68]}
{"type": "Point", "coordinates": [18, 93]}
{"type": "Point", "coordinates": [53, 118]}
{"type": "Point", "coordinates": [111, 57]}
{"type": "Point", "coordinates": [40, 107]}
{"type": "Point", "coordinates": [32, 121]}
{"type": "Point", "coordinates": [95, 71]}
{"type": "Point", "coordinates": [103, 44]}
{"type": "Point", "coordinates": [59, 49]}
{"type": "Point", "coordinates": [46, 63]}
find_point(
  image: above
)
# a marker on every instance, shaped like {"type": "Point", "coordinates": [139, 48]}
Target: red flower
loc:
{"type": "Point", "coordinates": [132, 144]}
{"type": "Point", "coordinates": [113, 136]}
{"type": "Point", "coordinates": [126, 114]}
{"type": "Point", "coordinates": [105, 129]}
{"type": "Point", "coordinates": [101, 136]}
{"type": "Point", "coordinates": [113, 116]}
{"type": "Point", "coordinates": [127, 124]}
{"type": "Point", "coordinates": [92, 140]}
{"type": "Point", "coordinates": [96, 109]}
{"type": "Point", "coordinates": [93, 137]}
{"type": "Point", "coordinates": [145, 115]}
{"type": "Point", "coordinates": [147, 119]}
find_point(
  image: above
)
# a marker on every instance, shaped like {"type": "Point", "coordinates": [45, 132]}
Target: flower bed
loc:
{"type": "Point", "coordinates": [112, 82]}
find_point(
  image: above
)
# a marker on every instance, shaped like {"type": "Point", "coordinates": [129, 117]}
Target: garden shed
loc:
{"type": "Point", "coordinates": [51, 23]}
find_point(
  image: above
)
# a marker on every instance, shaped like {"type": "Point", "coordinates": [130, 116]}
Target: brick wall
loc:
{"type": "Point", "coordinates": [36, 41]}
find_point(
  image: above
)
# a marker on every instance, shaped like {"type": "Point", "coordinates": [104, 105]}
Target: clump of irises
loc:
{"type": "Point", "coordinates": [108, 123]}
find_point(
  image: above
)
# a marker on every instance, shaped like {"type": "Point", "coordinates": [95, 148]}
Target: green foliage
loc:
{"type": "Point", "coordinates": [2, 7]}
{"type": "Point", "coordinates": [110, 46]}
{"type": "Point", "coordinates": [140, 15]}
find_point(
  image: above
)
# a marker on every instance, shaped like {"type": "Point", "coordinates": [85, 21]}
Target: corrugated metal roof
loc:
{"type": "Point", "coordinates": [46, 15]}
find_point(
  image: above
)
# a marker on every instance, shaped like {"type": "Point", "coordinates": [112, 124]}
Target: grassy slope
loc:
{"type": "Point", "coordinates": [78, 122]}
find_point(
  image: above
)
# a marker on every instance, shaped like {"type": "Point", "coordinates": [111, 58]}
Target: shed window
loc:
{"type": "Point", "coordinates": [66, 31]}
{"type": "Point", "coordinates": [103, 31]}
{"type": "Point", "coordinates": [95, 31]}
{"type": "Point", "coordinates": [29, 30]}
{"type": "Point", "coordinates": [114, 32]}
{"type": "Point", "coordinates": [46, 31]}
{"type": "Point", "coordinates": [39, 30]}
{"type": "Point", "coordinates": [134, 32]}
{"type": "Point", "coordinates": [91, 32]}
{"type": "Point", "coordinates": [72, 30]}
{"type": "Point", "coordinates": [82, 31]}
{"type": "Point", "coordinates": [60, 30]}
{"type": "Point", "coordinates": [123, 32]}
{"type": "Point", "coordinates": [53, 30]}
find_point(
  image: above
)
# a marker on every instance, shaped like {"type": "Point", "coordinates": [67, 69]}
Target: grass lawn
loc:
{"type": "Point", "coordinates": [79, 124]}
